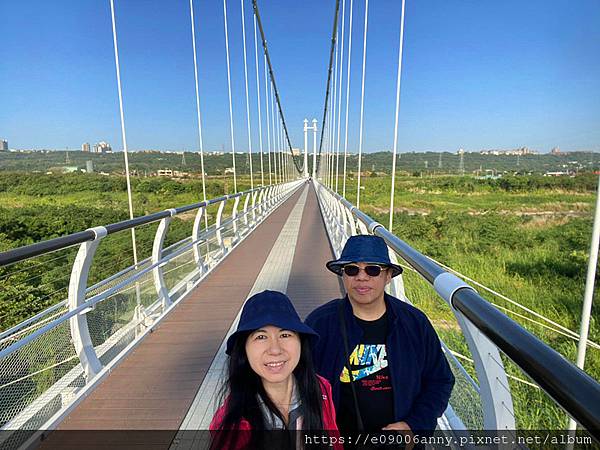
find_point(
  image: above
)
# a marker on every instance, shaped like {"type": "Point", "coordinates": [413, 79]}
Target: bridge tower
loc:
{"type": "Point", "coordinates": [314, 129]}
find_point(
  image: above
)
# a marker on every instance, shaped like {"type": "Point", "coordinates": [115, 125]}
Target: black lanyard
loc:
{"type": "Point", "coordinates": [359, 421]}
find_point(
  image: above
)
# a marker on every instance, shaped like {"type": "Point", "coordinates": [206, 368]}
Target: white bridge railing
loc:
{"type": "Point", "coordinates": [483, 401]}
{"type": "Point", "coordinates": [49, 362]}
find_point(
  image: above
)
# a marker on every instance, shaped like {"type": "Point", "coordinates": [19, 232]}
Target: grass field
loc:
{"type": "Point", "coordinates": [532, 247]}
{"type": "Point", "coordinates": [530, 244]}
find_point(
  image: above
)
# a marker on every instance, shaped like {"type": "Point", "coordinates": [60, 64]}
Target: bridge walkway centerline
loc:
{"type": "Point", "coordinates": [154, 387]}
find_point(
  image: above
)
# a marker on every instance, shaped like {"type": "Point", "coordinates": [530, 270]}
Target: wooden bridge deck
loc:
{"type": "Point", "coordinates": [154, 387]}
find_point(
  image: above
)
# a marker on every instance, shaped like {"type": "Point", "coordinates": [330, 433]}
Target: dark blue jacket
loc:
{"type": "Point", "coordinates": [421, 378]}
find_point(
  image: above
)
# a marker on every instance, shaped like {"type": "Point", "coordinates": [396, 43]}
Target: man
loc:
{"type": "Point", "coordinates": [399, 378]}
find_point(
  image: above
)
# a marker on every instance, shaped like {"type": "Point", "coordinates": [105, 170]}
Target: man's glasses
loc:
{"type": "Point", "coordinates": [373, 271]}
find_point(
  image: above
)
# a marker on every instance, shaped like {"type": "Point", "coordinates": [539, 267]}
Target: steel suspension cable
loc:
{"type": "Point", "coordinates": [334, 109]}
{"type": "Point", "coordinates": [395, 148]}
{"type": "Point", "coordinates": [229, 91]}
{"type": "Point", "coordinates": [247, 96]}
{"type": "Point", "coordinates": [272, 76]}
{"type": "Point", "coordinates": [198, 109]}
{"type": "Point", "coordinates": [260, 142]}
{"type": "Point", "coordinates": [268, 119]}
{"type": "Point", "coordinates": [275, 146]}
{"type": "Point", "coordinates": [340, 84]}
{"type": "Point", "coordinates": [362, 104]}
{"type": "Point", "coordinates": [347, 99]}
{"type": "Point", "coordinates": [329, 70]}
{"type": "Point", "coordinates": [123, 134]}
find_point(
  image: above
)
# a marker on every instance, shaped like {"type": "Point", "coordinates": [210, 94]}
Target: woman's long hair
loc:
{"type": "Point", "coordinates": [243, 385]}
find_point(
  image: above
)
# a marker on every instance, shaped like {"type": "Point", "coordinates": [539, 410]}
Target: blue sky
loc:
{"type": "Point", "coordinates": [476, 74]}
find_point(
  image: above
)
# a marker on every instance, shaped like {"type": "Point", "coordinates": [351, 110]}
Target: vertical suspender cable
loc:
{"type": "Point", "coordinates": [347, 98]}
{"type": "Point", "coordinates": [123, 135]}
{"type": "Point", "coordinates": [260, 142]}
{"type": "Point", "coordinates": [275, 146]}
{"type": "Point", "coordinates": [198, 109]}
{"type": "Point", "coordinates": [268, 120]}
{"type": "Point", "coordinates": [229, 90]}
{"type": "Point", "coordinates": [329, 71]}
{"type": "Point", "coordinates": [337, 159]}
{"type": "Point", "coordinates": [281, 149]}
{"type": "Point", "coordinates": [362, 104]}
{"type": "Point", "coordinates": [276, 92]}
{"type": "Point", "coordinates": [395, 149]}
{"type": "Point", "coordinates": [279, 137]}
{"type": "Point", "coordinates": [247, 96]}
{"type": "Point", "coordinates": [330, 134]}
{"type": "Point", "coordinates": [335, 112]}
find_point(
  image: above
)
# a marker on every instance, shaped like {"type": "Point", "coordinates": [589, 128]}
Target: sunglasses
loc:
{"type": "Point", "coordinates": [373, 271]}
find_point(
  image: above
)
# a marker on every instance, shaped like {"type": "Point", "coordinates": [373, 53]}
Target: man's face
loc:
{"type": "Point", "coordinates": [363, 289]}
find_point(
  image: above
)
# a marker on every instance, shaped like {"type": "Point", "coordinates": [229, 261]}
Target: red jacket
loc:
{"type": "Point", "coordinates": [328, 418]}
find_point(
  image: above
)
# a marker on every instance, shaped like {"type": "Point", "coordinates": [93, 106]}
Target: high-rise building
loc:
{"type": "Point", "coordinates": [85, 147]}
{"type": "Point", "coordinates": [3, 145]}
{"type": "Point", "coordinates": [102, 147]}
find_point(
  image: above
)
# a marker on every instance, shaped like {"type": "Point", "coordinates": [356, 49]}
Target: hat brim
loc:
{"type": "Point", "coordinates": [298, 327]}
{"type": "Point", "coordinates": [337, 265]}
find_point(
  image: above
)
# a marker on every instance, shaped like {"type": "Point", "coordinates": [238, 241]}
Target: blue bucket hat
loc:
{"type": "Point", "coordinates": [366, 249]}
{"type": "Point", "coordinates": [269, 308]}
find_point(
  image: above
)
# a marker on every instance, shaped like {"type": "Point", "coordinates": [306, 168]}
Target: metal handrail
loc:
{"type": "Point", "coordinates": [51, 245]}
{"type": "Point", "coordinates": [570, 387]}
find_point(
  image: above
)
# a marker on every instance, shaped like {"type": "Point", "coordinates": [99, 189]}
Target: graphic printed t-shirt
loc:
{"type": "Point", "coordinates": [369, 364]}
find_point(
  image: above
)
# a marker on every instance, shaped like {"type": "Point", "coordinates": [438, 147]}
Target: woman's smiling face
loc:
{"type": "Point", "coordinates": [273, 353]}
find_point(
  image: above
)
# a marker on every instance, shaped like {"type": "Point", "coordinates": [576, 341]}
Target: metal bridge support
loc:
{"type": "Point", "coordinates": [260, 204]}
{"type": "Point", "coordinates": [236, 231]}
{"type": "Point", "coordinates": [218, 227]}
{"type": "Point", "coordinates": [77, 285]}
{"type": "Point", "coordinates": [496, 399]}
{"type": "Point", "coordinates": [246, 202]}
{"type": "Point", "coordinates": [200, 260]}
{"type": "Point", "coordinates": [157, 273]}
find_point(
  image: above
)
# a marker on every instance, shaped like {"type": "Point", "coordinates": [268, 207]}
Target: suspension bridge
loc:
{"type": "Point", "coordinates": [157, 364]}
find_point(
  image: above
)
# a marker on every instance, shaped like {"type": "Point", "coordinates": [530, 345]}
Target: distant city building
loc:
{"type": "Point", "coordinates": [3, 145]}
{"type": "Point", "coordinates": [555, 151]}
{"type": "Point", "coordinates": [102, 147]}
{"type": "Point", "coordinates": [295, 151]}
{"type": "Point", "coordinates": [516, 152]}
{"type": "Point", "coordinates": [85, 147]}
{"type": "Point", "coordinates": [89, 165]}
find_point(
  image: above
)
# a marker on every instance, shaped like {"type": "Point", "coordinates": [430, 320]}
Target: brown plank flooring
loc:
{"type": "Point", "coordinates": [153, 388]}
{"type": "Point", "coordinates": [311, 284]}
{"type": "Point", "coordinates": [155, 385]}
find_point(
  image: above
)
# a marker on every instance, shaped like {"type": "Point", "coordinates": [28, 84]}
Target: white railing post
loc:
{"type": "Point", "coordinates": [80, 332]}
{"type": "Point", "coordinates": [246, 202]}
{"type": "Point", "coordinates": [496, 398]}
{"type": "Point", "coordinates": [260, 203]}
{"type": "Point", "coordinates": [234, 218]}
{"type": "Point", "coordinates": [218, 226]}
{"type": "Point", "coordinates": [157, 273]}
{"type": "Point", "coordinates": [200, 260]}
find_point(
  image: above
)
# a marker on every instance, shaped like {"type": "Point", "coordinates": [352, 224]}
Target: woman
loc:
{"type": "Point", "coordinates": [271, 382]}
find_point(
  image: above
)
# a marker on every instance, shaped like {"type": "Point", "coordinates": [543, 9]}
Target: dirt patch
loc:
{"type": "Point", "coordinates": [403, 210]}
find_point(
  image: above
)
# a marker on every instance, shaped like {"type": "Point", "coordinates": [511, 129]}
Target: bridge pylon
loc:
{"type": "Point", "coordinates": [314, 129]}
